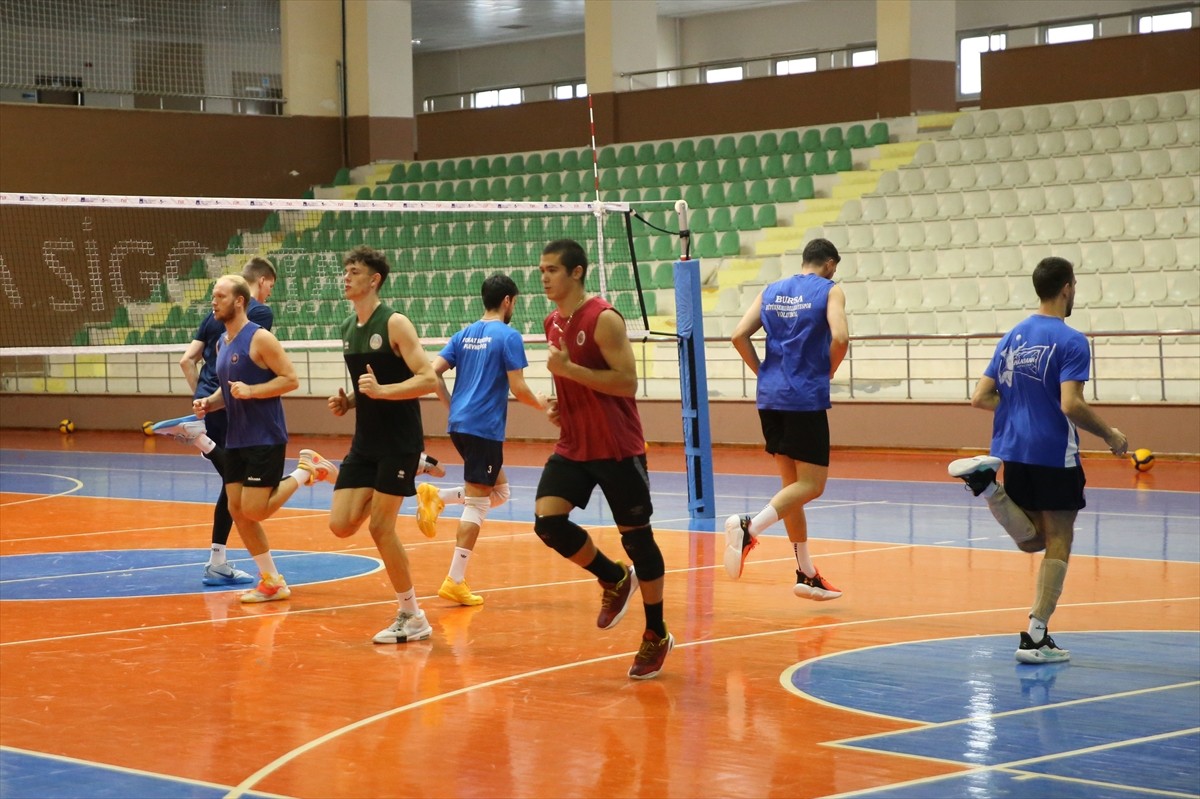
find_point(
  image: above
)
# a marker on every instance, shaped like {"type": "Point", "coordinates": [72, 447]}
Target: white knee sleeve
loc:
{"type": "Point", "coordinates": [500, 495]}
{"type": "Point", "coordinates": [475, 510]}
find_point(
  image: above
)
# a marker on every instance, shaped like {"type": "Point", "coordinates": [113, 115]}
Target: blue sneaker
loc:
{"type": "Point", "coordinates": [185, 429]}
{"type": "Point", "coordinates": [225, 574]}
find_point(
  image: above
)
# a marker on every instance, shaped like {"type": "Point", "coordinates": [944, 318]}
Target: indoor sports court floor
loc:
{"type": "Point", "coordinates": [121, 676]}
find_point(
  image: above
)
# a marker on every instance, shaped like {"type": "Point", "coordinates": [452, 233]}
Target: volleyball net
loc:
{"type": "Point", "coordinates": [113, 271]}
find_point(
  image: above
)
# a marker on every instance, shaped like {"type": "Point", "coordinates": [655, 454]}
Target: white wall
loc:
{"type": "Point", "coordinates": [540, 61]}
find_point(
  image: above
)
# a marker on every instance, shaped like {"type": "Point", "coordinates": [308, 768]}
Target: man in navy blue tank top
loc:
{"type": "Point", "coordinates": [1034, 385]}
{"type": "Point", "coordinates": [254, 372]}
{"type": "Point", "coordinates": [804, 318]}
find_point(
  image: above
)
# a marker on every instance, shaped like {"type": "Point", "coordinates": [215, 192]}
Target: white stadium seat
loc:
{"type": "Point", "coordinates": [1187, 253]}
{"type": "Point", "coordinates": [1145, 108]}
{"type": "Point", "coordinates": [950, 322]}
{"type": "Point", "coordinates": [1062, 115]}
{"type": "Point", "coordinates": [1158, 254]}
{"type": "Point", "coordinates": [1030, 199]}
{"type": "Point", "coordinates": [1128, 255]}
{"type": "Point", "coordinates": [1038, 118]}
{"type": "Point", "coordinates": [1156, 162]}
{"type": "Point", "coordinates": [869, 265]}
{"type": "Point", "coordinates": [1139, 223]}
{"type": "Point", "coordinates": [1012, 120]}
{"type": "Point", "coordinates": [1049, 227]}
{"type": "Point", "coordinates": [924, 206]}
{"type": "Point", "coordinates": [937, 233]}
{"type": "Point", "coordinates": [898, 208]}
{"type": "Point", "coordinates": [1020, 292]}
{"type": "Point", "coordinates": [1117, 111]}
{"type": "Point", "coordinates": [1052, 142]}
{"type": "Point", "coordinates": [1163, 134]}
{"type": "Point", "coordinates": [1188, 131]}
{"type": "Point", "coordinates": [1107, 225]}
{"type": "Point", "coordinates": [993, 292]}
{"type": "Point", "coordinates": [1105, 138]}
{"type": "Point", "coordinates": [895, 264]}
{"type": "Point", "coordinates": [1095, 256]}
{"type": "Point", "coordinates": [949, 261]}
{"type": "Point", "coordinates": [1176, 190]}
{"type": "Point", "coordinates": [1134, 136]}
{"type": "Point", "coordinates": [1000, 148]}
{"type": "Point", "coordinates": [1146, 191]}
{"type": "Point", "coordinates": [1150, 288]}
{"type": "Point", "coordinates": [1068, 168]}
{"type": "Point", "coordinates": [1007, 260]}
{"type": "Point", "coordinates": [1098, 166]}
{"type": "Point", "coordinates": [1078, 140]}
{"type": "Point", "coordinates": [950, 204]}
{"type": "Point", "coordinates": [1022, 145]}
{"type": "Point", "coordinates": [977, 260]}
{"type": "Point", "coordinates": [987, 123]}
{"type": "Point", "coordinates": [964, 293]}
{"type": "Point", "coordinates": [1183, 288]}
{"type": "Point", "coordinates": [976, 203]}
{"type": "Point", "coordinates": [1088, 195]}
{"type": "Point", "coordinates": [1117, 193]}
{"type": "Point", "coordinates": [1020, 229]}
{"type": "Point", "coordinates": [964, 232]}
{"type": "Point", "coordinates": [1090, 113]}
{"type": "Point", "coordinates": [1170, 221]}
{"type": "Point", "coordinates": [1078, 226]}
{"type": "Point", "coordinates": [1172, 105]}
{"type": "Point", "coordinates": [1116, 288]}
{"type": "Point", "coordinates": [921, 262]}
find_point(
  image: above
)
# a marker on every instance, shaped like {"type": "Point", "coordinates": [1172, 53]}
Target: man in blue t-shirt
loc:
{"type": "Point", "coordinates": [489, 358]}
{"type": "Point", "coordinates": [1034, 385]}
{"type": "Point", "coordinates": [804, 318]}
{"type": "Point", "coordinates": [199, 365]}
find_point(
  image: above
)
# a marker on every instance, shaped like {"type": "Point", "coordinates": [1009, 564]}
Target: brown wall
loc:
{"type": "Point", "coordinates": [1111, 67]}
{"type": "Point", "coordinates": [1165, 429]}
{"type": "Point", "coordinates": [58, 149]}
{"type": "Point", "coordinates": [892, 89]}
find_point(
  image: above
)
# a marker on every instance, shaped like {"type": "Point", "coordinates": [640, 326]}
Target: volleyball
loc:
{"type": "Point", "coordinates": [1143, 460]}
{"type": "Point", "coordinates": [66, 426]}
{"type": "Point", "coordinates": [148, 428]}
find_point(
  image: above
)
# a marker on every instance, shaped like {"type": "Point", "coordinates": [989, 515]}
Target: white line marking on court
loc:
{"type": "Point", "coordinates": [78, 485]}
{"type": "Point", "coordinates": [292, 513]}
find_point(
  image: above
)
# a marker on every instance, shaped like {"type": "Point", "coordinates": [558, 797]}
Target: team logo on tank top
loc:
{"type": "Point", "coordinates": [376, 341]}
{"type": "Point", "coordinates": [233, 358]}
{"type": "Point", "coordinates": [580, 337]}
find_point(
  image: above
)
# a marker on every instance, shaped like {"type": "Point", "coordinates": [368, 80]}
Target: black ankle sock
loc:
{"type": "Point", "coordinates": [654, 619]}
{"type": "Point", "coordinates": [604, 569]}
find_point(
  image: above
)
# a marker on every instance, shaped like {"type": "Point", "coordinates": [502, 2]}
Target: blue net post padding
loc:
{"type": "Point", "coordinates": [693, 385]}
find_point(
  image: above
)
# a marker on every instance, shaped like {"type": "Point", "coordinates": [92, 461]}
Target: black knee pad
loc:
{"type": "Point", "coordinates": [560, 534]}
{"type": "Point", "coordinates": [643, 550]}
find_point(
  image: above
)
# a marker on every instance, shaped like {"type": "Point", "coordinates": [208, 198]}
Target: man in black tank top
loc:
{"type": "Point", "coordinates": [390, 370]}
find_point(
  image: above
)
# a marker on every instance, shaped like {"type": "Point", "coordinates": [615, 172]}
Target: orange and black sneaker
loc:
{"type": "Point", "coordinates": [648, 661]}
{"type": "Point", "coordinates": [816, 588]}
{"type": "Point", "coordinates": [738, 543]}
{"type": "Point", "coordinates": [615, 599]}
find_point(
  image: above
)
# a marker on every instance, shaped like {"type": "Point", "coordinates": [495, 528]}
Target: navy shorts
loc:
{"type": "Point", "coordinates": [482, 458]}
{"type": "Point", "coordinates": [255, 467]}
{"type": "Point", "coordinates": [625, 483]}
{"type": "Point", "coordinates": [800, 435]}
{"type": "Point", "coordinates": [394, 474]}
{"type": "Point", "coordinates": [1044, 487]}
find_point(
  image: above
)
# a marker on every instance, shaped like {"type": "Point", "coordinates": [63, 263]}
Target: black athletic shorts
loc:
{"type": "Point", "coordinates": [255, 467]}
{"type": "Point", "coordinates": [394, 475]}
{"type": "Point", "coordinates": [482, 457]}
{"type": "Point", "coordinates": [800, 435]}
{"type": "Point", "coordinates": [625, 483]}
{"type": "Point", "coordinates": [1044, 487]}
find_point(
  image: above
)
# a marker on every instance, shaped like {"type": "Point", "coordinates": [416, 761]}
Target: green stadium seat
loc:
{"type": "Point", "coordinates": [810, 142]}
{"type": "Point", "coordinates": [705, 246]}
{"type": "Point", "coordinates": [445, 191]}
{"type": "Point", "coordinates": [721, 220]}
{"type": "Point", "coordinates": [781, 191]}
{"type": "Point", "coordinates": [689, 174]}
{"type": "Point", "coordinates": [731, 170]}
{"type": "Point", "coordinates": [796, 165]}
{"type": "Point", "coordinates": [133, 337]}
{"type": "Point", "coordinates": [413, 191]}
{"type": "Point", "coordinates": [414, 172]}
{"type": "Point", "coordinates": [570, 183]}
{"type": "Point", "coordinates": [516, 188]}
{"type": "Point", "coordinates": [363, 193]}
{"type": "Point", "coordinates": [768, 143]}
{"type": "Point", "coordinates": [498, 189]}
{"type": "Point", "coordinates": [747, 146]}
{"type": "Point", "coordinates": [698, 220]}
{"type": "Point", "coordinates": [752, 169]}
{"type": "Point", "coordinates": [533, 163]}
{"type": "Point", "coordinates": [462, 190]}
{"type": "Point", "coordinates": [498, 166]}
{"type": "Point", "coordinates": [818, 163]}
{"type": "Point", "coordinates": [685, 150]}
{"type": "Point", "coordinates": [619, 195]}
{"type": "Point", "coordinates": [552, 187]}
{"type": "Point", "coordinates": [856, 136]}
{"type": "Point", "coordinates": [668, 175]}
{"type": "Point", "coordinates": [744, 218]}
{"type": "Point", "coordinates": [648, 176]}
{"type": "Point", "coordinates": [448, 170]}
{"type": "Point", "coordinates": [642, 248]}
{"type": "Point", "coordinates": [628, 177]}
{"type": "Point", "coordinates": [879, 134]}
{"type": "Point", "coordinates": [463, 169]}
{"type": "Point", "coordinates": [516, 164]}
{"type": "Point", "coordinates": [664, 274]}
{"type": "Point", "coordinates": [842, 160]}
{"type": "Point", "coordinates": [626, 156]}
{"type": "Point", "coordinates": [439, 284]}
{"type": "Point", "coordinates": [328, 220]}
{"type": "Point", "coordinates": [774, 167]}
{"type": "Point", "coordinates": [694, 196]}
{"type": "Point", "coordinates": [645, 154]}
{"type": "Point", "coordinates": [482, 168]}
{"type": "Point", "coordinates": [726, 147]}
{"type": "Point", "coordinates": [551, 161]}
{"type": "Point", "coordinates": [735, 193]}
{"type": "Point", "coordinates": [607, 158]}
{"type": "Point", "coordinates": [342, 178]}
{"type": "Point", "coordinates": [480, 189]}
{"type": "Point", "coordinates": [609, 179]}
{"type": "Point", "coordinates": [803, 188]}
{"type": "Point", "coordinates": [380, 192]}
{"type": "Point", "coordinates": [570, 160]}
{"type": "Point", "coordinates": [672, 193]}
{"type": "Point", "coordinates": [714, 195]}
{"type": "Point", "coordinates": [651, 194]}
{"type": "Point", "coordinates": [645, 272]}
{"type": "Point", "coordinates": [665, 152]}
{"type": "Point", "coordinates": [789, 142]}
{"type": "Point", "coordinates": [833, 138]}
{"type": "Point", "coordinates": [396, 192]}
{"type": "Point", "coordinates": [729, 243]}
{"type": "Point", "coordinates": [534, 187]}
{"type": "Point", "coordinates": [198, 270]}
{"type": "Point", "coordinates": [430, 170]}
{"type": "Point", "coordinates": [706, 150]}
{"type": "Point", "coordinates": [710, 171]}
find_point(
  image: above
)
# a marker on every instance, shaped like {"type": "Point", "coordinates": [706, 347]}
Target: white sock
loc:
{"type": "Point", "coordinates": [990, 490]}
{"type": "Point", "coordinates": [452, 496]}
{"type": "Point", "coordinates": [458, 564]}
{"type": "Point", "coordinates": [266, 564]}
{"type": "Point", "coordinates": [765, 518]}
{"type": "Point", "coordinates": [408, 601]}
{"type": "Point", "coordinates": [204, 443]}
{"type": "Point", "coordinates": [216, 555]}
{"type": "Point", "coordinates": [1037, 629]}
{"type": "Point", "coordinates": [301, 476]}
{"type": "Point", "coordinates": [803, 559]}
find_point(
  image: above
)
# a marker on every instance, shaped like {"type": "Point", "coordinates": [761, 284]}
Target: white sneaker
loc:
{"type": "Point", "coordinates": [407, 627]}
{"type": "Point", "coordinates": [429, 465]}
{"type": "Point", "coordinates": [184, 429]}
{"type": "Point", "coordinates": [978, 472]}
{"type": "Point", "coordinates": [319, 469]}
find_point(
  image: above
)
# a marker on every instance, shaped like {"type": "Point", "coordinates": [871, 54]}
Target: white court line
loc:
{"type": "Point", "coordinates": [78, 485]}
{"type": "Point", "coordinates": [293, 514]}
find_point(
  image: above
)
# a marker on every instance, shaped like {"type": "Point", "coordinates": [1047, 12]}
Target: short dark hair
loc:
{"type": "Point", "coordinates": [1050, 275]}
{"type": "Point", "coordinates": [371, 258]}
{"type": "Point", "coordinates": [257, 268]}
{"type": "Point", "coordinates": [569, 252]}
{"type": "Point", "coordinates": [818, 251]}
{"type": "Point", "coordinates": [496, 288]}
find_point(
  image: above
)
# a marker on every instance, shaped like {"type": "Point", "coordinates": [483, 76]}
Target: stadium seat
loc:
{"type": "Point", "coordinates": [1000, 148]}
{"type": "Point", "coordinates": [752, 169]}
{"type": "Point", "coordinates": [1162, 134]}
{"type": "Point", "coordinates": [685, 150]}
{"type": "Point", "coordinates": [868, 265]}
{"type": "Point", "coordinates": [1038, 118]}
{"type": "Point", "coordinates": [937, 233]}
{"type": "Point", "coordinates": [1175, 190]}
{"type": "Point", "coordinates": [747, 146]}
{"type": "Point", "coordinates": [810, 140]}
{"type": "Point", "coordinates": [797, 164]}
{"type": "Point", "coordinates": [626, 156]}
{"type": "Point", "coordinates": [1144, 108]}
{"type": "Point", "coordinates": [833, 138]}
{"type": "Point", "coordinates": [964, 232]}
{"type": "Point", "coordinates": [987, 123]}
{"type": "Point", "coordinates": [1077, 141]}
{"type": "Point", "coordinates": [1012, 120]}
{"type": "Point", "coordinates": [1172, 221]}
{"type": "Point", "coordinates": [726, 148]}
{"type": "Point", "coordinates": [645, 154]}
{"type": "Point", "coordinates": [665, 153]}
{"type": "Point", "coordinates": [689, 174]}
{"type": "Point", "coordinates": [735, 193]}
{"type": "Point", "coordinates": [706, 150]}
{"type": "Point", "coordinates": [730, 170]}
{"type": "Point", "coordinates": [879, 134]}
{"type": "Point", "coordinates": [1117, 111]}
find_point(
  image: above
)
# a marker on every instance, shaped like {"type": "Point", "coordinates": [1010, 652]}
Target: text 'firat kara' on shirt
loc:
{"type": "Point", "coordinates": [482, 354]}
{"type": "Point", "coordinates": [252, 422]}
{"type": "Point", "coordinates": [794, 375]}
{"type": "Point", "coordinates": [383, 427]}
{"type": "Point", "coordinates": [1030, 364]}
{"type": "Point", "coordinates": [593, 425]}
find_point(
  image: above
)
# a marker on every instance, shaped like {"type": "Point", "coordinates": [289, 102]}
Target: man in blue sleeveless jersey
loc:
{"type": "Point", "coordinates": [804, 317]}
{"type": "Point", "coordinates": [199, 365]}
{"type": "Point", "coordinates": [254, 372]}
{"type": "Point", "coordinates": [390, 371]}
{"type": "Point", "coordinates": [489, 358]}
{"type": "Point", "coordinates": [1034, 385]}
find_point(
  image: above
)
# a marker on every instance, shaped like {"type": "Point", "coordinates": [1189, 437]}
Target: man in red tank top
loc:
{"type": "Point", "coordinates": [600, 443]}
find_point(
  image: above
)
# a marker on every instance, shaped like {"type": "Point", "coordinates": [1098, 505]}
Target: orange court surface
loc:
{"type": "Point", "coordinates": [122, 675]}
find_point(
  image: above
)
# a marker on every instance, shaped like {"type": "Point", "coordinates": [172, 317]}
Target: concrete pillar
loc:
{"type": "Point", "coordinates": [619, 36]}
{"type": "Point", "coordinates": [917, 42]}
{"type": "Point", "coordinates": [312, 47]}
{"type": "Point", "coordinates": [379, 77]}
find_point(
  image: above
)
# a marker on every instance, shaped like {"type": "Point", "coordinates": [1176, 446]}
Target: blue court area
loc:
{"type": "Point", "coordinates": [1133, 523]}
{"type": "Point", "coordinates": [1029, 730]}
{"type": "Point", "coordinates": [29, 775]}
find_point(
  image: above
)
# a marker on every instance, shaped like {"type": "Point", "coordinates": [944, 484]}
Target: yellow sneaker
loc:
{"type": "Point", "coordinates": [459, 592]}
{"type": "Point", "coordinates": [271, 588]}
{"type": "Point", "coordinates": [429, 507]}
